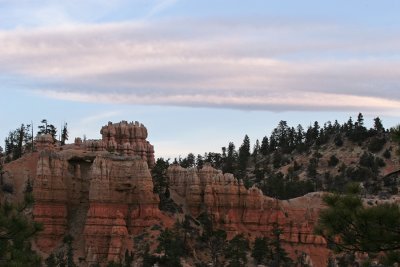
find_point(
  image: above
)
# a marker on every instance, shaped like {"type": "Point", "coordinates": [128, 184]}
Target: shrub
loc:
{"type": "Point", "coordinates": [387, 154]}
{"type": "Point", "coordinates": [333, 161]}
{"type": "Point", "coordinates": [376, 144]}
{"type": "Point", "coordinates": [8, 188]}
{"type": "Point", "coordinates": [338, 140]}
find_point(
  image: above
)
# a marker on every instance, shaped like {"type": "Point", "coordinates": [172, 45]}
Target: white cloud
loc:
{"type": "Point", "coordinates": [251, 65]}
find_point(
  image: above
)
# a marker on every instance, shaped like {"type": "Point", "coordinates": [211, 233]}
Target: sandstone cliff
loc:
{"type": "Point", "coordinates": [238, 210]}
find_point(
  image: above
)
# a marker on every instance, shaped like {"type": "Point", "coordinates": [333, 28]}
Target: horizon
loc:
{"type": "Point", "coordinates": [197, 74]}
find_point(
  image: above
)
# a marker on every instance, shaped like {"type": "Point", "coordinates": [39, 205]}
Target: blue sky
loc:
{"type": "Point", "coordinates": [198, 74]}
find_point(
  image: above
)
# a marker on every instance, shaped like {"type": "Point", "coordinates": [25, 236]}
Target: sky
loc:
{"type": "Point", "coordinates": [197, 74]}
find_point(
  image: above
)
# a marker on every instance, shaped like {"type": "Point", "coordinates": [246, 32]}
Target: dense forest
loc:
{"type": "Point", "coordinates": [273, 164]}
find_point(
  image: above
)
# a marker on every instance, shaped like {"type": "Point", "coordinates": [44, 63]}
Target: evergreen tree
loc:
{"type": "Point", "coordinates": [223, 152]}
{"type": "Point", "coordinates": [395, 133]}
{"type": "Point", "coordinates": [244, 154]}
{"type": "Point", "coordinates": [16, 232]}
{"type": "Point", "coordinates": [231, 159]}
{"type": "Point", "coordinates": [264, 146]}
{"type": "Point", "coordinates": [189, 161]}
{"type": "Point", "coordinates": [378, 126]}
{"type": "Point", "coordinates": [64, 134]}
{"type": "Point", "coordinates": [51, 261]}
{"type": "Point", "coordinates": [279, 255]}
{"type": "Point", "coordinates": [236, 251]}
{"type": "Point", "coordinates": [47, 128]}
{"type": "Point", "coordinates": [170, 245]}
{"type": "Point", "coordinates": [256, 149]}
{"type": "Point", "coordinates": [216, 244]}
{"type": "Point", "coordinates": [159, 174]}
{"type": "Point", "coordinates": [350, 226]}
{"type": "Point", "coordinates": [199, 161]}
{"type": "Point", "coordinates": [17, 142]}
{"type": "Point", "coordinates": [260, 250]}
{"type": "Point", "coordinates": [70, 253]}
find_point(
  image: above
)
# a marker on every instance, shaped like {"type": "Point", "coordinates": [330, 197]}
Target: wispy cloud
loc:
{"type": "Point", "coordinates": [160, 6]}
{"type": "Point", "coordinates": [220, 63]}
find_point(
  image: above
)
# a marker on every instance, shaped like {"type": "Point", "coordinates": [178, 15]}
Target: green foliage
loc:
{"type": "Point", "coordinates": [376, 144]}
{"type": "Point", "coordinates": [216, 244]}
{"type": "Point", "coordinates": [260, 250]}
{"type": "Point", "coordinates": [395, 133]}
{"type": "Point", "coordinates": [16, 231]}
{"type": "Point", "coordinates": [159, 175]}
{"type": "Point", "coordinates": [371, 162]}
{"type": "Point", "coordinates": [236, 251]}
{"type": "Point", "coordinates": [244, 155]}
{"type": "Point", "coordinates": [68, 239]}
{"type": "Point", "coordinates": [338, 140]}
{"type": "Point", "coordinates": [312, 167]}
{"type": "Point", "coordinates": [171, 246]}
{"type": "Point", "coordinates": [333, 161]}
{"type": "Point", "coordinates": [64, 134]}
{"type": "Point", "coordinates": [51, 261]}
{"type": "Point", "coordinates": [230, 163]}
{"type": "Point", "coordinates": [378, 126]}
{"type": "Point", "coordinates": [189, 161]}
{"type": "Point", "coordinates": [206, 221]}
{"type": "Point", "coordinates": [47, 128]}
{"type": "Point", "coordinates": [114, 264]}
{"type": "Point", "coordinates": [277, 186]}
{"type": "Point", "coordinates": [18, 142]}
{"type": "Point", "coordinates": [391, 258]}
{"type": "Point", "coordinates": [279, 256]}
{"type": "Point", "coordinates": [350, 226]}
{"type": "Point", "coordinates": [387, 154]}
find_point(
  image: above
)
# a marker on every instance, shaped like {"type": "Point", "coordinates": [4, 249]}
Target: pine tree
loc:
{"type": "Point", "coordinates": [159, 174]}
{"type": "Point", "coordinates": [378, 126]}
{"type": "Point", "coordinates": [64, 134]}
{"type": "Point", "coordinates": [236, 251]}
{"type": "Point", "coordinates": [16, 232]}
{"type": "Point", "coordinates": [353, 227]}
{"type": "Point", "coordinates": [260, 250]}
{"type": "Point", "coordinates": [17, 142]}
{"type": "Point", "coordinates": [279, 255]}
{"type": "Point", "coordinates": [264, 146]}
{"type": "Point", "coordinates": [231, 159]}
{"type": "Point", "coordinates": [47, 128]}
{"type": "Point", "coordinates": [244, 154]}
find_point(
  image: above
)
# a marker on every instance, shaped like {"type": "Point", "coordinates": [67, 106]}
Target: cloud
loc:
{"type": "Point", "coordinates": [289, 101]}
{"type": "Point", "coordinates": [160, 6]}
{"type": "Point", "coordinates": [253, 64]}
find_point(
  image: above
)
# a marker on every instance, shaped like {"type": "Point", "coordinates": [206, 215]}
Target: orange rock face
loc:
{"type": "Point", "coordinates": [238, 210]}
{"type": "Point", "coordinates": [98, 195]}
{"type": "Point", "coordinates": [129, 139]}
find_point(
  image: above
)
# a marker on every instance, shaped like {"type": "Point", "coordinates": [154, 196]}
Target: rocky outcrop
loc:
{"type": "Point", "coordinates": [238, 210]}
{"type": "Point", "coordinates": [128, 139]}
{"type": "Point", "coordinates": [121, 200]}
{"type": "Point", "coordinates": [100, 192]}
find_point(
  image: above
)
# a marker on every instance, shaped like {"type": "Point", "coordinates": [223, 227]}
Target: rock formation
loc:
{"type": "Point", "coordinates": [238, 210]}
{"type": "Point", "coordinates": [98, 191]}
{"type": "Point", "coordinates": [128, 139]}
